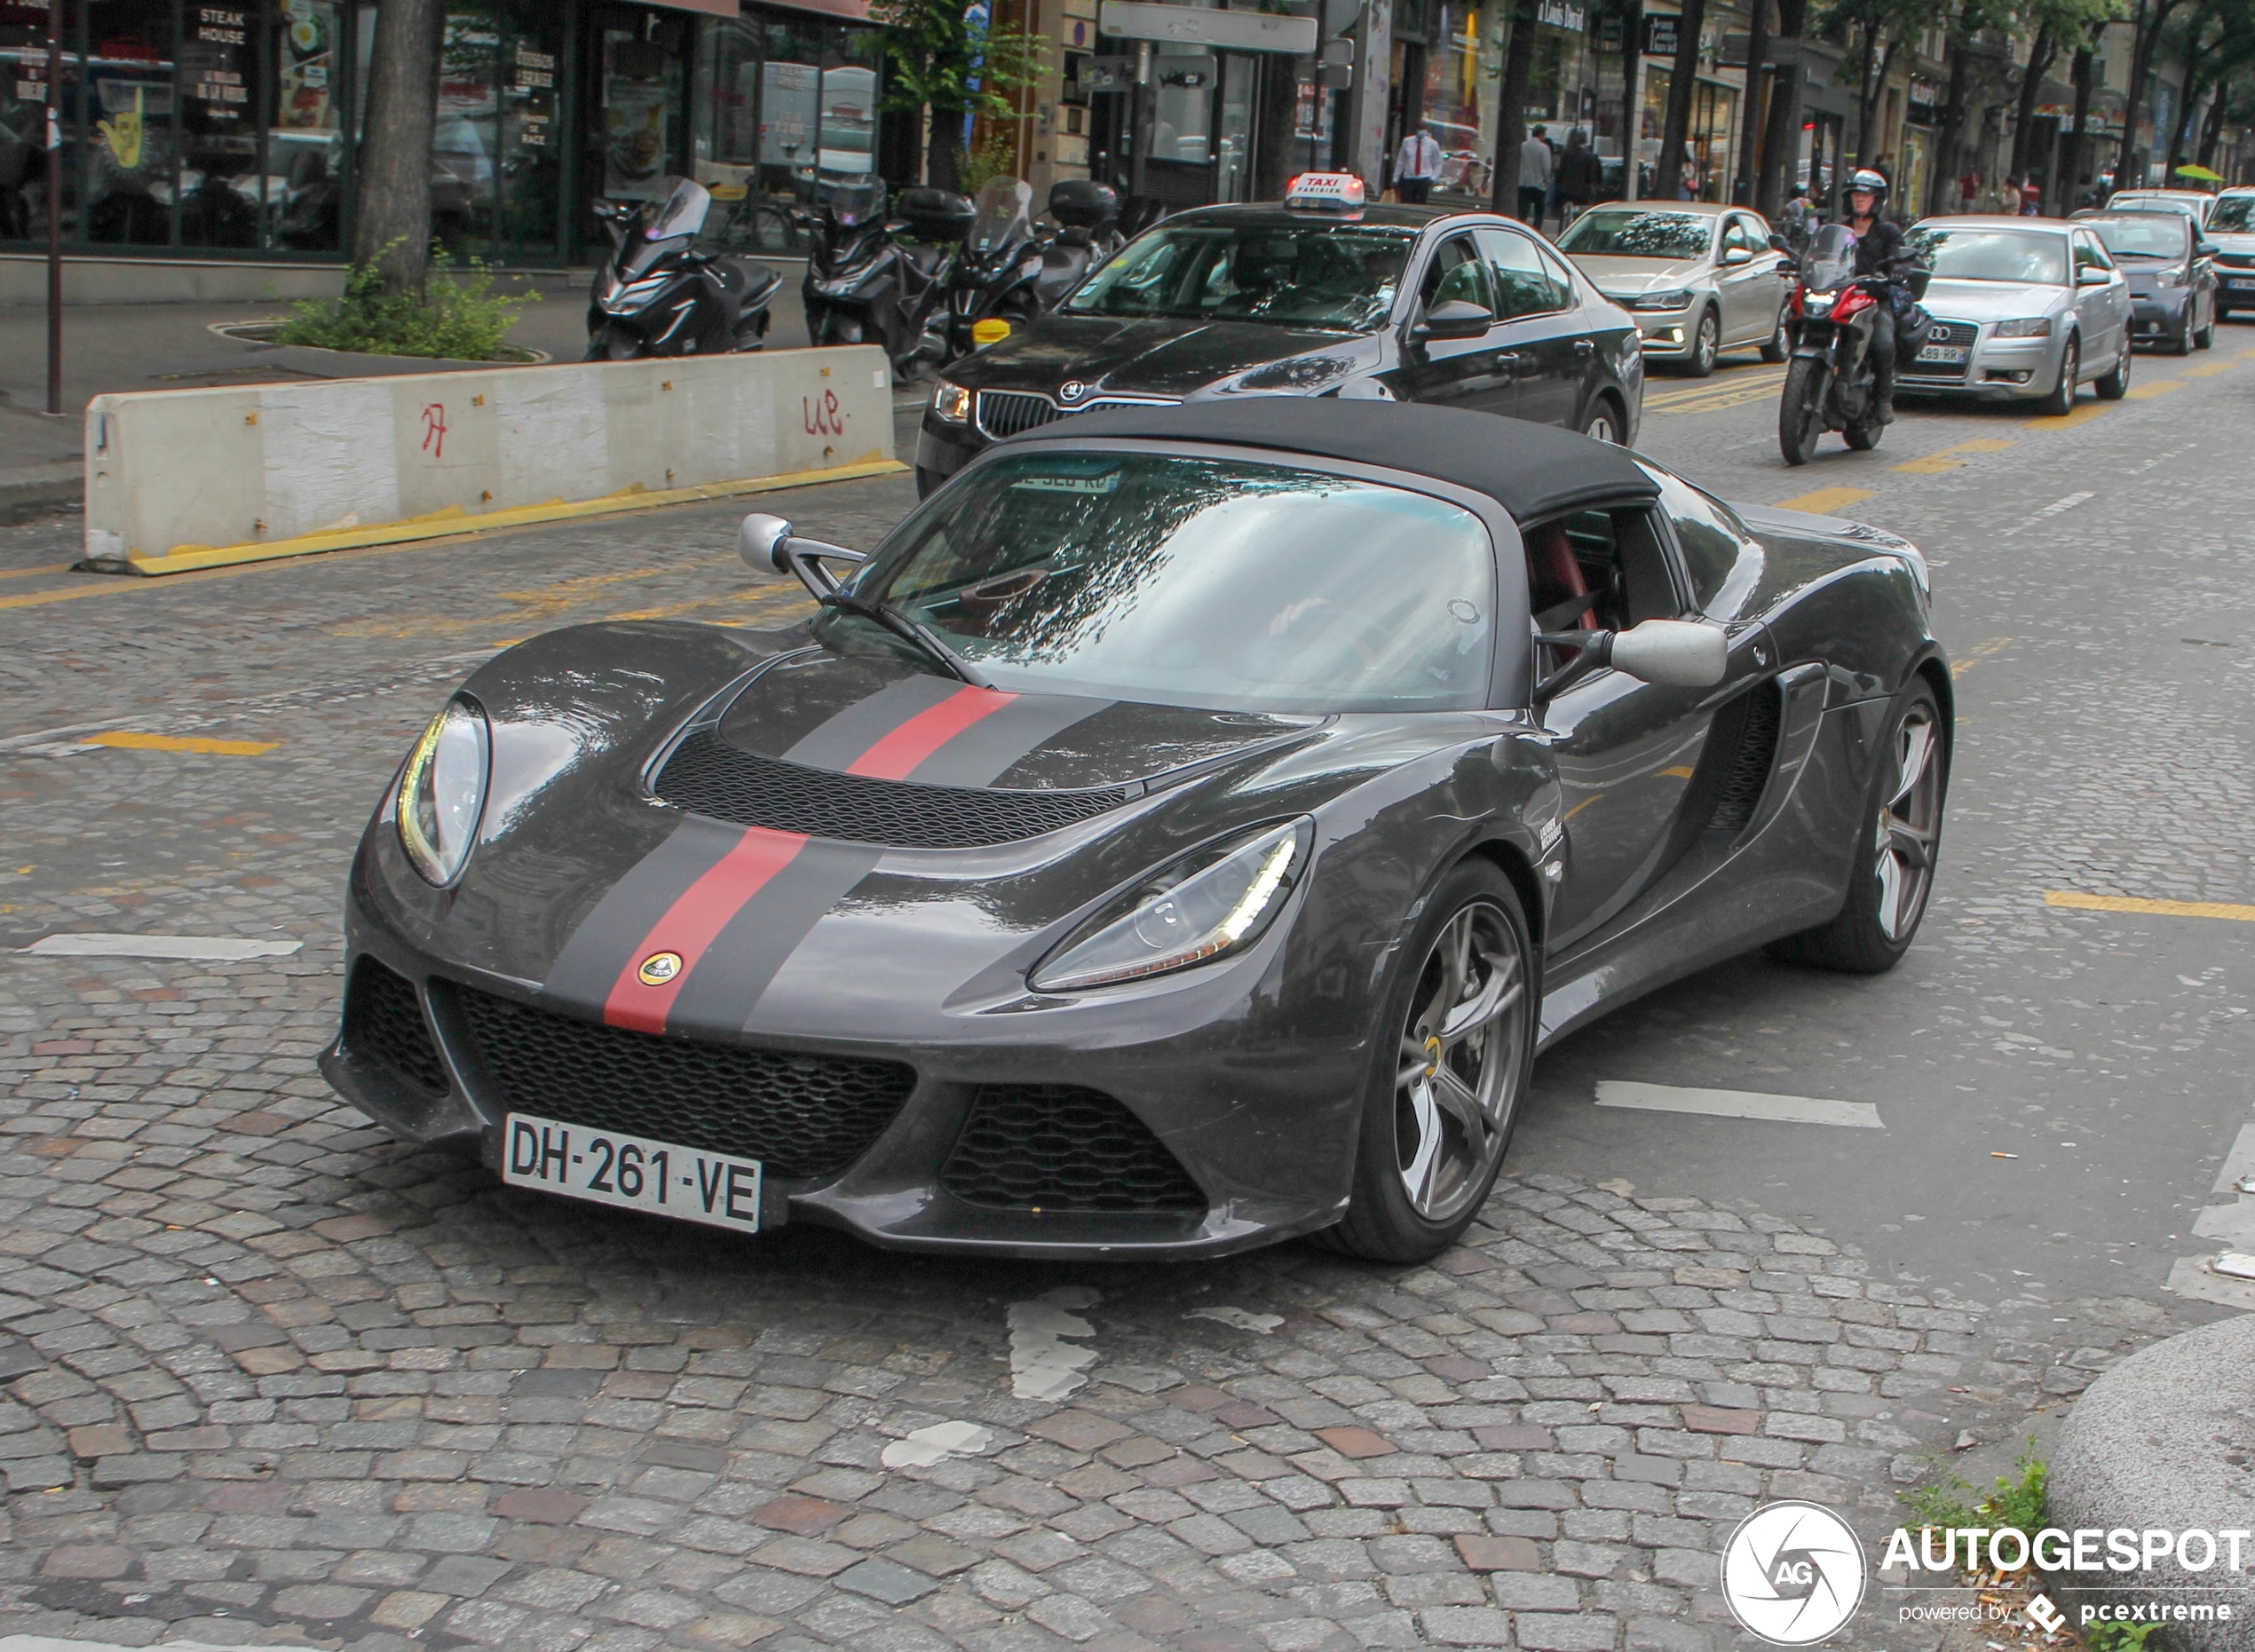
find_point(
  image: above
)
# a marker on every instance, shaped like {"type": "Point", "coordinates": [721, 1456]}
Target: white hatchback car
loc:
{"type": "Point", "coordinates": [2022, 308]}
{"type": "Point", "coordinates": [2231, 227]}
{"type": "Point", "coordinates": [1700, 278]}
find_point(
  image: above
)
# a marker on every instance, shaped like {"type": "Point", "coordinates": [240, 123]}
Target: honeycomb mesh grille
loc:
{"type": "Point", "coordinates": [383, 1027]}
{"type": "Point", "coordinates": [1058, 1147]}
{"type": "Point", "coordinates": [799, 1115]}
{"type": "Point", "coordinates": [709, 777]}
{"type": "Point", "coordinates": [1748, 777]}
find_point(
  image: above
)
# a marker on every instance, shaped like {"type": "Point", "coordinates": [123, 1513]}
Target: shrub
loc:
{"type": "Point", "coordinates": [460, 317]}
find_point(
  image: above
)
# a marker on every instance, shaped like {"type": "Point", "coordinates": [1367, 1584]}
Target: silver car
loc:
{"type": "Point", "coordinates": [2023, 308]}
{"type": "Point", "coordinates": [2231, 226]}
{"type": "Point", "coordinates": [1700, 278]}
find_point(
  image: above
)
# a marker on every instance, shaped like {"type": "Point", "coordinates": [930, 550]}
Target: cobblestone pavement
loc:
{"type": "Point", "coordinates": [266, 1375]}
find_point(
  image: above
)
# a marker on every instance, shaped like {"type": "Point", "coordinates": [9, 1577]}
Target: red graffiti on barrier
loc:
{"type": "Point", "coordinates": [434, 429]}
{"type": "Point", "coordinates": [822, 416]}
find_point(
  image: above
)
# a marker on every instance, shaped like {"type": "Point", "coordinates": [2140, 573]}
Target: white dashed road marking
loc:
{"type": "Point", "coordinates": [1800, 1109]}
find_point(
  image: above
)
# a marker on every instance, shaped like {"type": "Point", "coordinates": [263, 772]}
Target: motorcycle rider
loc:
{"type": "Point", "coordinates": [1879, 257]}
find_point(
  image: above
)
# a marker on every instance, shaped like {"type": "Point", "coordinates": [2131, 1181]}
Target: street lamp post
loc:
{"type": "Point", "coordinates": [55, 206]}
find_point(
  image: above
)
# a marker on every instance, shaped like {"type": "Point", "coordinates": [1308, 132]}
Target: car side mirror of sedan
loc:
{"type": "Point", "coordinates": [1736, 255]}
{"type": "Point", "coordinates": [2205, 250]}
{"type": "Point", "coordinates": [2093, 276]}
{"type": "Point", "coordinates": [1778, 243]}
{"type": "Point", "coordinates": [1455, 319]}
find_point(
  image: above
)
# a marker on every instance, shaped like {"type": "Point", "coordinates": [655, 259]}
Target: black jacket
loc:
{"type": "Point", "coordinates": [1577, 173]}
{"type": "Point", "coordinates": [1878, 251]}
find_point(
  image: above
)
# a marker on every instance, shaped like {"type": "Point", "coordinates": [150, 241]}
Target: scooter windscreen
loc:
{"type": "Point", "coordinates": [666, 224]}
{"type": "Point", "coordinates": [1830, 261]}
{"type": "Point", "coordinates": [1002, 215]}
{"type": "Point", "coordinates": [850, 200]}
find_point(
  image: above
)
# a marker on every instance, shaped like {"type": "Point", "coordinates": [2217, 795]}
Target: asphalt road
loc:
{"type": "Point", "coordinates": [269, 1372]}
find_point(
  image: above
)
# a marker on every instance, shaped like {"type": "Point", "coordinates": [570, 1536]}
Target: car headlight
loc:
{"type": "Point", "coordinates": [1207, 905]}
{"type": "Point", "coordinates": [2169, 278]}
{"type": "Point", "coordinates": [442, 791]}
{"type": "Point", "coordinates": [951, 402]}
{"type": "Point", "coordinates": [1677, 299]}
{"type": "Point", "coordinates": [2025, 326]}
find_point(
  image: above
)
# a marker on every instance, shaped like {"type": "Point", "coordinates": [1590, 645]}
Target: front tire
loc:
{"type": "Point", "coordinates": [1456, 1047]}
{"type": "Point", "coordinates": [1897, 841]}
{"type": "Point", "coordinates": [613, 343]}
{"type": "Point", "coordinates": [2116, 385]}
{"type": "Point", "coordinates": [1603, 424]}
{"type": "Point", "coordinates": [2205, 339]}
{"type": "Point", "coordinates": [1706, 344]}
{"type": "Point", "coordinates": [2181, 344]}
{"type": "Point", "coordinates": [1779, 345]}
{"type": "Point", "coordinates": [1800, 410]}
{"type": "Point", "coordinates": [1863, 437]}
{"type": "Point", "coordinates": [2061, 402]}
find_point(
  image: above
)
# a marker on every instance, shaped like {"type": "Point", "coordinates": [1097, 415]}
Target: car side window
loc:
{"type": "Point", "coordinates": [1599, 570]}
{"type": "Point", "coordinates": [1457, 275]}
{"type": "Point", "coordinates": [1525, 283]}
{"type": "Point", "coordinates": [2089, 254]}
{"type": "Point", "coordinates": [1715, 549]}
{"type": "Point", "coordinates": [1741, 234]}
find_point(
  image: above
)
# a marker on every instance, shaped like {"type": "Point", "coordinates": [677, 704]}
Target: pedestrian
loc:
{"type": "Point", "coordinates": [2031, 199]}
{"type": "Point", "coordinates": [1687, 186]}
{"type": "Point", "coordinates": [1798, 219]}
{"type": "Point", "coordinates": [1578, 177]}
{"type": "Point", "coordinates": [1534, 176]}
{"type": "Point", "coordinates": [1969, 190]}
{"type": "Point", "coordinates": [1416, 165]}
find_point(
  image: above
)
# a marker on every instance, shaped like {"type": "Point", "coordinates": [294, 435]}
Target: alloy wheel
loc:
{"type": "Point", "coordinates": [1910, 821]}
{"type": "Point", "coordinates": [1460, 1055]}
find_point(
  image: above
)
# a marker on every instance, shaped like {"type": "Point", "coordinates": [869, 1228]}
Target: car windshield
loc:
{"type": "Point", "coordinates": [1619, 234]}
{"type": "Point", "coordinates": [1991, 255]}
{"type": "Point", "coordinates": [2232, 213]}
{"type": "Point", "coordinates": [1223, 584]}
{"type": "Point", "coordinates": [1339, 277]}
{"type": "Point", "coordinates": [2142, 235]}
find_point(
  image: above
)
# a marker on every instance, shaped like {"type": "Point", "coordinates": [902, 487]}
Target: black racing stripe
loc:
{"type": "Point", "coordinates": [726, 983]}
{"type": "Point", "coordinates": [845, 738]}
{"type": "Point", "coordinates": [1003, 738]}
{"type": "Point", "coordinates": [587, 966]}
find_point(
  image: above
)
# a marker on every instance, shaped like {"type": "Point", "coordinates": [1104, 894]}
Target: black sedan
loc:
{"type": "Point", "coordinates": [1389, 304]}
{"type": "Point", "coordinates": [1181, 833]}
{"type": "Point", "coordinates": [2171, 272]}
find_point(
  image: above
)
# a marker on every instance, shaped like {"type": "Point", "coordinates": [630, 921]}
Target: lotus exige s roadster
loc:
{"type": "Point", "coordinates": [1181, 833]}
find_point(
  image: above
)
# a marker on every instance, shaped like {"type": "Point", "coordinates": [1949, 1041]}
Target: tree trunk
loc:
{"type": "Point", "coordinates": [2040, 54]}
{"type": "Point", "coordinates": [1279, 105]}
{"type": "Point", "coordinates": [1511, 108]}
{"type": "Point", "coordinates": [2071, 171]}
{"type": "Point", "coordinates": [1632, 95]}
{"type": "Point", "coordinates": [1781, 149]}
{"type": "Point", "coordinates": [2211, 132]}
{"type": "Point", "coordinates": [2184, 114]}
{"type": "Point", "coordinates": [392, 208]}
{"type": "Point", "coordinates": [1948, 163]}
{"type": "Point", "coordinates": [944, 156]}
{"type": "Point", "coordinates": [1683, 77]}
{"type": "Point", "coordinates": [2145, 33]}
{"type": "Point", "coordinates": [1750, 129]}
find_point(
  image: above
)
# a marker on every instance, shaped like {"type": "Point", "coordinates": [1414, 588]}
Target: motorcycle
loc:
{"type": "Point", "coordinates": [992, 278]}
{"type": "Point", "coordinates": [656, 295]}
{"type": "Point", "coordinates": [864, 283]}
{"type": "Point", "coordinates": [1834, 382]}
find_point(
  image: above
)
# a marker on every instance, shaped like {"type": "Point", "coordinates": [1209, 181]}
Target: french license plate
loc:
{"type": "Point", "coordinates": [1946, 355]}
{"type": "Point", "coordinates": [2243, 283]}
{"type": "Point", "coordinates": [632, 1172]}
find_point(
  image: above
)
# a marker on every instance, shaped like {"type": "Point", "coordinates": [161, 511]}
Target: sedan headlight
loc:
{"type": "Point", "coordinates": [1206, 906]}
{"type": "Point", "coordinates": [2025, 326]}
{"type": "Point", "coordinates": [951, 402]}
{"type": "Point", "coordinates": [1677, 299]}
{"type": "Point", "coordinates": [442, 791]}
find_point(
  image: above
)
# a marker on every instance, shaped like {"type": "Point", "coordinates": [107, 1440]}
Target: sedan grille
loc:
{"type": "Point", "coordinates": [799, 1115]}
{"type": "Point", "coordinates": [709, 777]}
{"type": "Point", "coordinates": [383, 1027]}
{"type": "Point", "coordinates": [1005, 412]}
{"type": "Point", "coordinates": [1954, 335]}
{"type": "Point", "coordinates": [1058, 1147]}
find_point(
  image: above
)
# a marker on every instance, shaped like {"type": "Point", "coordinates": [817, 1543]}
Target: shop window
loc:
{"type": "Point", "coordinates": [223, 188]}
{"type": "Point", "coordinates": [641, 97]}
{"type": "Point", "coordinates": [532, 161]}
{"type": "Point", "coordinates": [1183, 128]}
{"type": "Point", "coordinates": [23, 119]}
{"type": "Point", "coordinates": [848, 135]}
{"type": "Point", "coordinates": [305, 136]}
{"type": "Point", "coordinates": [465, 143]}
{"type": "Point", "coordinates": [132, 172]}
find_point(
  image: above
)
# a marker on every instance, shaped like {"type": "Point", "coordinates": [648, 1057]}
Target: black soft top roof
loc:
{"type": "Point", "coordinates": [1532, 471]}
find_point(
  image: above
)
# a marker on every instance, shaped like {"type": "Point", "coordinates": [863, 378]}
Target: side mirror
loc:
{"type": "Point", "coordinates": [1455, 319]}
{"type": "Point", "coordinates": [1675, 652]}
{"type": "Point", "coordinates": [760, 541]}
{"type": "Point", "coordinates": [2092, 275]}
{"type": "Point", "coordinates": [2205, 250]}
{"type": "Point", "coordinates": [1778, 243]}
{"type": "Point", "coordinates": [1736, 255]}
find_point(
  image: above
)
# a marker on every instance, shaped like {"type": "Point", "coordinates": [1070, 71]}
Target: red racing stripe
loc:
{"type": "Point", "coordinates": [895, 756]}
{"type": "Point", "coordinates": [692, 921]}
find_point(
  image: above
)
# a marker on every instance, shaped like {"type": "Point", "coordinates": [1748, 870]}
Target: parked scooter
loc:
{"type": "Point", "coordinates": [1834, 382]}
{"type": "Point", "coordinates": [864, 283]}
{"type": "Point", "coordinates": [992, 278]}
{"type": "Point", "coordinates": [658, 295]}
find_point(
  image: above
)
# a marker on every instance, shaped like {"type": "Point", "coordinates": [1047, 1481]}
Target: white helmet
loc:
{"type": "Point", "coordinates": [1866, 182]}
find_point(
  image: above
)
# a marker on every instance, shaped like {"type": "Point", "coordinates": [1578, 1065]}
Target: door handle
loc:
{"type": "Point", "coordinates": [1507, 360]}
{"type": "Point", "coordinates": [1582, 346]}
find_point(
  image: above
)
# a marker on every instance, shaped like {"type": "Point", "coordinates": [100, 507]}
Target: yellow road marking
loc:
{"type": "Point", "coordinates": [126, 740]}
{"type": "Point", "coordinates": [2159, 909]}
{"type": "Point", "coordinates": [1744, 383]}
{"type": "Point", "coordinates": [1681, 771]}
{"type": "Point", "coordinates": [1935, 463]}
{"type": "Point", "coordinates": [2083, 415]}
{"type": "Point", "coordinates": [2211, 369]}
{"type": "Point", "coordinates": [1824, 501]}
{"type": "Point", "coordinates": [25, 573]}
{"type": "Point", "coordinates": [2159, 387]}
{"type": "Point", "coordinates": [1978, 653]}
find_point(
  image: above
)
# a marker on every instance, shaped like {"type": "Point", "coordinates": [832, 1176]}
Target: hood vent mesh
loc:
{"type": "Point", "coordinates": [708, 776]}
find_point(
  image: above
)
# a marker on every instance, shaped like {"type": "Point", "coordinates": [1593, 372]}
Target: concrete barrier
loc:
{"type": "Point", "coordinates": [196, 479]}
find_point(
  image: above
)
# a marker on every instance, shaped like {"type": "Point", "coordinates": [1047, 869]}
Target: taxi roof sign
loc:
{"type": "Point", "coordinates": [1325, 192]}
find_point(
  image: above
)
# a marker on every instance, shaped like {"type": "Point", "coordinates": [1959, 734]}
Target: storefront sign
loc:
{"type": "Point", "coordinates": [1231, 31]}
{"type": "Point", "coordinates": [1563, 14]}
{"type": "Point", "coordinates": [710, 8]}
{"type": "Point", "coordinates": [1659, 36]}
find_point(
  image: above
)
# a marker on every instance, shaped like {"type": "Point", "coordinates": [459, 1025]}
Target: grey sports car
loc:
{"type": "Point", "coordinates": [1181, 833]}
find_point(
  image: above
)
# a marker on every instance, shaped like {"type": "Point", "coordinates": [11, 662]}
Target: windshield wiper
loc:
{"type": "Point", "coordinates": [912, 631]}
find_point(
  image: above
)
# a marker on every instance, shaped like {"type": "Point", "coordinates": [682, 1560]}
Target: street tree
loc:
{"type": "Point", "coordinates": [1511, 107]}
{"type": "Point", "coordinates": [1877, 33]}
{"type": "Point", "coordinates": [948, 63]}
{"type": "Point", "coordinates": [391, 217]}
{"type": "Point", "coordinates": [2146, 21]}
{"type": "Point", "coordinates": [1683, 75]}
